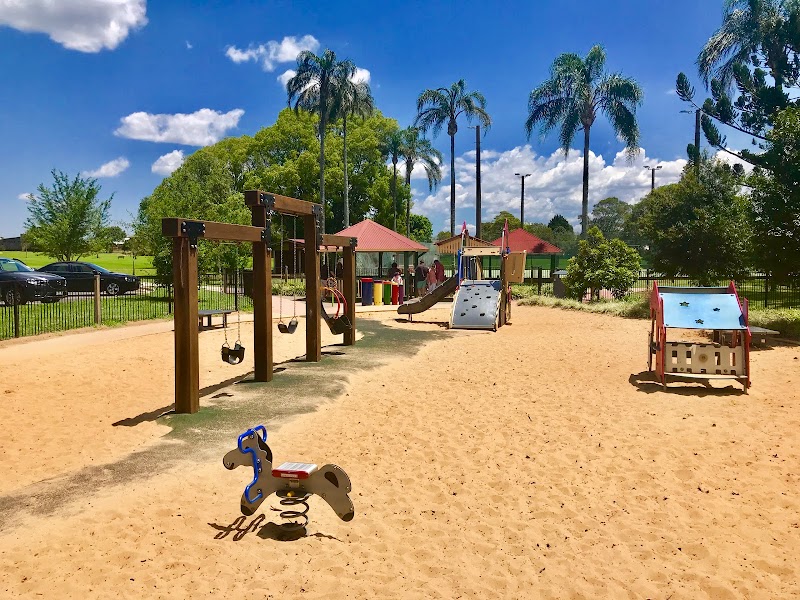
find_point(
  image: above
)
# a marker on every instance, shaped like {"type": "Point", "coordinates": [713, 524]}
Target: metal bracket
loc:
{"type": "Point", "coordinates": [193, 230]}
{"type": "Point", "coordinates": [267, 200]}
{"type": "Point", "coordinates": [317, 210]}
{"type": "Point", "coordinates": [353, 242]}
{"type": "Point", "coordinates": [266, 233]}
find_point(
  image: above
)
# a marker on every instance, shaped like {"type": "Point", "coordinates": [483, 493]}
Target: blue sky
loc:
{"type": "Point", "coordinates": [82, 83]}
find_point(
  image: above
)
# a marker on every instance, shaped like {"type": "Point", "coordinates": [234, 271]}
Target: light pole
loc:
{"type": "Point", "coordinates": [477, 129]}
{"type": "Point", "coordinates": [653, 175]}
{"type": "Point", "coordinates": [522, 198]}
{"type": "Point", "coordinates": [697, 114]}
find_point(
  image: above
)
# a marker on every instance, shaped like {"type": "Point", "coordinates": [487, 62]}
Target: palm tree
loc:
{"type": "Point", "coordinates": [750, 28]}
{"type": "Point", "coordinates": [393, 146]}
{"type": "Point", "coordinates": [418, 149]}
{"type": "Point", "coordinates": [444, 105]}
{"type": "Point", "coordinates": [356, 101]}
{"type": "Point", "coordinates": [318, 87]}
{"type": "Point", "coordinates": [576, 91]}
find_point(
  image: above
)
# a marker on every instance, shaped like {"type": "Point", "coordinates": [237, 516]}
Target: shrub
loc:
{"type": "Point", "coordinates": [601, 264]}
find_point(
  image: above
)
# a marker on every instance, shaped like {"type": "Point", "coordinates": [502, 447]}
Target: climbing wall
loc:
{"type": "Point", "coordinates": [476, 305]}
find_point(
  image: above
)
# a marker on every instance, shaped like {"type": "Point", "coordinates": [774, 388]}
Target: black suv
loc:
{"type": "Point", "coordinates": [80, 278]}
{"type": "Point", "coordinates": [20, 284]}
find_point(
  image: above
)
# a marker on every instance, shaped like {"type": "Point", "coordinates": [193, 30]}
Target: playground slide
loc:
{"type": "Point", "coordinates": [476, 305]}
{"type": "Point", "coordinates": [418, 305]}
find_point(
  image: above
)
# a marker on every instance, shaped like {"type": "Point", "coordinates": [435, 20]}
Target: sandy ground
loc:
{"type": "Point", "coordinates": [535, 462]}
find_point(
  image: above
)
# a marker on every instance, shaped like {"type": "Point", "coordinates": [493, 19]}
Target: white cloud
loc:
{"type": "Point", "coordinates": [199, 128]}
{"type": "Point", "coordinates": [732, 160]}
{"type": "Point", "coordinates": [24, 196]}
{"type": "Point", "coordinates": [167, 163]}
{"type": "Point", "coordinates": [83, 25]}
{"type": "Point", "coordinates": [361, 75]}
{"type": "Point", "coordinates": [110, 169]}
{"type": "Point", "coordinates": [286, 76]}
{"type": "Point", "coordinates": [273, 52]}
{"type": "Point", "coordinates": [188, 45]}
{"type": "Point", "coordinates": [554, 187]}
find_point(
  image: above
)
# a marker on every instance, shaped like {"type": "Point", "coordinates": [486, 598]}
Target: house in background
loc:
{"type": "Point", "coordinates": [11, 244]}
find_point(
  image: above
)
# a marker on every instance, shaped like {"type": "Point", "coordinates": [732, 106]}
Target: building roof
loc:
{"type": "Point", "coordinates": [373, 237]}
{"type": "Point", "coordinates": [520, 240]}
{"type": "Point", "coordinates": [453, 244]}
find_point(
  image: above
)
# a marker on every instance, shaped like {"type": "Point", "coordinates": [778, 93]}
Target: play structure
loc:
{"type": "Point", "coordinates": [478, 303]}
{"type": "Point", "coordinates": [293, 482]}
{"type": "Point", "coordinates": [709, 308]}
{"type": "Point", "coordinates": [186, 233]}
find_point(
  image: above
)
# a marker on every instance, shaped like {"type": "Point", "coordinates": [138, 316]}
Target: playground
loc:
{"type": "Point", "coordinates": [539, 461]}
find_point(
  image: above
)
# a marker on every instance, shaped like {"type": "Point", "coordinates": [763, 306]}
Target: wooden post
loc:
{"type": "Point", "coordinates": [313, 296]}
{"type": "Point", "coordinates": [350, 292]}
{"type": "Point", "coordinates": [98, 316]}
{"type": "Point", "coordinates": [187, 357]}
{"type": "Point", "coordinates": [262, 300]}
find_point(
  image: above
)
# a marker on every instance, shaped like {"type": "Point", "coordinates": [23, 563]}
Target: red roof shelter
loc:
{"type": "Point", "coordinates": [520, 240]}
{"type": "Point", "coordinates": [373, 237]}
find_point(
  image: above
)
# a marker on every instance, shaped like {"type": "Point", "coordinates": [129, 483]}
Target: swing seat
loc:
{"type": "Point", "coordinates": [233, 355]}
{"type": "Point", "coordinates": [340, 325]}
{"type": "Point", "coordinates": [290, 328]}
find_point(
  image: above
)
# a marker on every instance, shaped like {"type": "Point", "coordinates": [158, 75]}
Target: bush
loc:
{"type": "Point", "coordinates": [601, 264]}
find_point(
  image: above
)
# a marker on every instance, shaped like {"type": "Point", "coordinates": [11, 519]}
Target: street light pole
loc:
{"type": "Point", "coordinates": [522, 198]}
{"type": "Point", "coordinates": [477, 129]}
{"type": "Point", "coordinates": [653, 175]}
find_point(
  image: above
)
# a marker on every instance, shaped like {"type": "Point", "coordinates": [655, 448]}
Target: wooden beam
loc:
{"type": "Point", "coordinates": [481, 251]}
{"type": "Point", "coordinates": [187, 356]}
{"type": "Point", "coordinates": [262, 300]}
{"type": "Point", "coordinates": [349, 291]}
{"type": "Point", "coordinates": [313, 297]}
{"type": "Point", "coordinates": [278, 203]}
{"type": "Point", "coordinates": [339, 241]}
{"type": "Point", "coordinates": [173, 227]}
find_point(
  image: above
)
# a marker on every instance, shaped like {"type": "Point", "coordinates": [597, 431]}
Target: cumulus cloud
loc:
{"type": "Point", "coordinates": [732, 160]}
{"type": "Point", "coordinates": [286, 76]}
{"type": "Point", "coordinates": [273, 52]}
{"type": "Point", "coordinates": [168, 163]}
{"type": "Point", "coordinates": [112, 168]}
{"type": "Point", "coordinates": [199, 128]}
{"type": "Point", "coordinates": [24, 196]}
{"type": "Point", "coordinates": [554, 187]}
{"type": "Point", "coordinates": [361, 75]}
{"type": "Point", "coordinates": [83, 25]}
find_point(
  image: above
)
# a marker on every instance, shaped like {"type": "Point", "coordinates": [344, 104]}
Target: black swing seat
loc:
{"type": "Point", "coordinates": [233, 355]}
{"type": "Point", "coordinates": [337, 325]}
{"type": "Point", "coordinates": [290, 328]}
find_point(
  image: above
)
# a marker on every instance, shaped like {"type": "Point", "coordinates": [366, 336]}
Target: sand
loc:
{"type": "Point", "coordinates": [536, 462]}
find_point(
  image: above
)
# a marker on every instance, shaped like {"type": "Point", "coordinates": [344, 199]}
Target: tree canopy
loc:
{"type": "Point", "coordinates": [609, 216]}
{"type": "Point", "coordinates": [68, 220]}
{"type": "Point", "coordinates": [601, 264]}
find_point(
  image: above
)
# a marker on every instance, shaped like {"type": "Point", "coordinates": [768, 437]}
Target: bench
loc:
{"type": "Point", "coordinates": [758, 334]}
{"type": "Point", "coordinates": [208, 313]}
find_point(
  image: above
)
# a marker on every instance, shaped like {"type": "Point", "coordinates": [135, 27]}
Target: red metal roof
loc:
{"type": "Point", "coordinates": [373, 237]}
{"type": "Point", "coordinates": [520, 240]}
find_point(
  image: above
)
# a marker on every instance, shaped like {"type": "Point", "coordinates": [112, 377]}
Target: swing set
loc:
{"type": "Point", "coordinates": [185, 234]}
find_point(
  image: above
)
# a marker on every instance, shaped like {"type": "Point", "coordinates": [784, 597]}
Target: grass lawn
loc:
{"type": "Point", "coordinates": [119, 263]}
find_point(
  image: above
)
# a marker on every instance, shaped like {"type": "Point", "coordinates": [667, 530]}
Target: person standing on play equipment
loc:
{"type": "Point", "coordinates": [430, 279]}
{"type": "Point", "coordinates": [420, 275]}
{"type": "Point", "coordinates": [439, 268]}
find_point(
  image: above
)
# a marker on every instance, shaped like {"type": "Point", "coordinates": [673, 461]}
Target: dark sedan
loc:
{"type": "Point", "coordinates": [80, 278]}
{"type": "Point", "coordinates": [20, 284]}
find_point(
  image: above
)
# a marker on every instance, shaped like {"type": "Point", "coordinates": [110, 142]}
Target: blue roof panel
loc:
{"type": "Point", "coordinates": [702, 311]}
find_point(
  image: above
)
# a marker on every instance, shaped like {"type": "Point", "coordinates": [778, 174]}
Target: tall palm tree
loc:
{"type": "Point", "coordinates": [393, 146]}
{"type": "Point", "coordinates": [576, 91]}
{"type": "Point", "coordinates": [445, 105]}
{"type": "Point", "coordinates": [356, 101]}
{"type": "Point", "coordinates": [750, 27]}
{"type": "Point", "coordinates": [318, 87]}
{"type": "Point", "coordinates": [418, 149]}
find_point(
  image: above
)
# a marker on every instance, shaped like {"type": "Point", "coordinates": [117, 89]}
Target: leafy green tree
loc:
{"type": "Point", "coordinates": [356, 101]}
{"type": "Point", "coordinates": [443, 235]}
{"type": "Point", "coordinates": [601, 264]}
{"type": "Point", "coordinates": [319, 86]}
{"type": "Point", "coordinates": [444, 105]}
{"type": "Point", "coordinates": [417, 149]}
{"type": "Point", "coordinates": [577, 90]}
{"type": "Point", "coordinates": [559, 221]}
{"type": "Point", "coordinates": [698, 227]}
{"type": "Point", "coordinates": [541, 231]}
{"type": "Point", "coordinates": [421, 229]}
{"type": "Point", "coordinates": [566, 240]}
{"type": "Point", "coordinates": [67, 220]}
{"type": "Point", "coordinates": [609, 216]}
{"type": "Point", "coordinates": [775, 199]}
{"type": "Point", "coordinates": [494, 229]}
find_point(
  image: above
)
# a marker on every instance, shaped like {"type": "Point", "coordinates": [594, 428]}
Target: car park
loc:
{"type": "Point", "coordinates": [19, 284]}
{"type": "Point", "coordinates": [80, 277]}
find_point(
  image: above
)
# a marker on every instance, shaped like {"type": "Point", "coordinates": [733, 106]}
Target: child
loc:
{"type": "Point", "coordinates": [430, 279]}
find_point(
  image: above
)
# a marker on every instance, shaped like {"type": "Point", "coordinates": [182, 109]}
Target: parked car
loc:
{"type": "Point", "coordinates": [80, 278]}
{"type": "Point", "coordinates": [20, 284]}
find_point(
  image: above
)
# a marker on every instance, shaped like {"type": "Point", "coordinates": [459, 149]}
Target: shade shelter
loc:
{"type": "Point", "coordinates": [520, 240]}
{"type": "Point", "coordinates": [373, 237]}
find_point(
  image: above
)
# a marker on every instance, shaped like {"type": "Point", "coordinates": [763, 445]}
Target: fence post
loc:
{"type": "Point", "coordinates": [766, 289]}
{"type": "Point", "coordinates": [17, 297]}
{"type": "Point", "coordinates": [539, 280]}
{"type": "Point", "coordinates": [97, 314]}
{"type": "Point", "coordinates": [169, 299]}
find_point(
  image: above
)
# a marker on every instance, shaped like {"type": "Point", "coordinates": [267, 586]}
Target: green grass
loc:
{"type": "Point", "coordinates": [110, 261]}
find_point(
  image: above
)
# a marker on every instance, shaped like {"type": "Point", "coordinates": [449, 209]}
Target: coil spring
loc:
{"type": "Point", "coordinates": [297, 519]}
